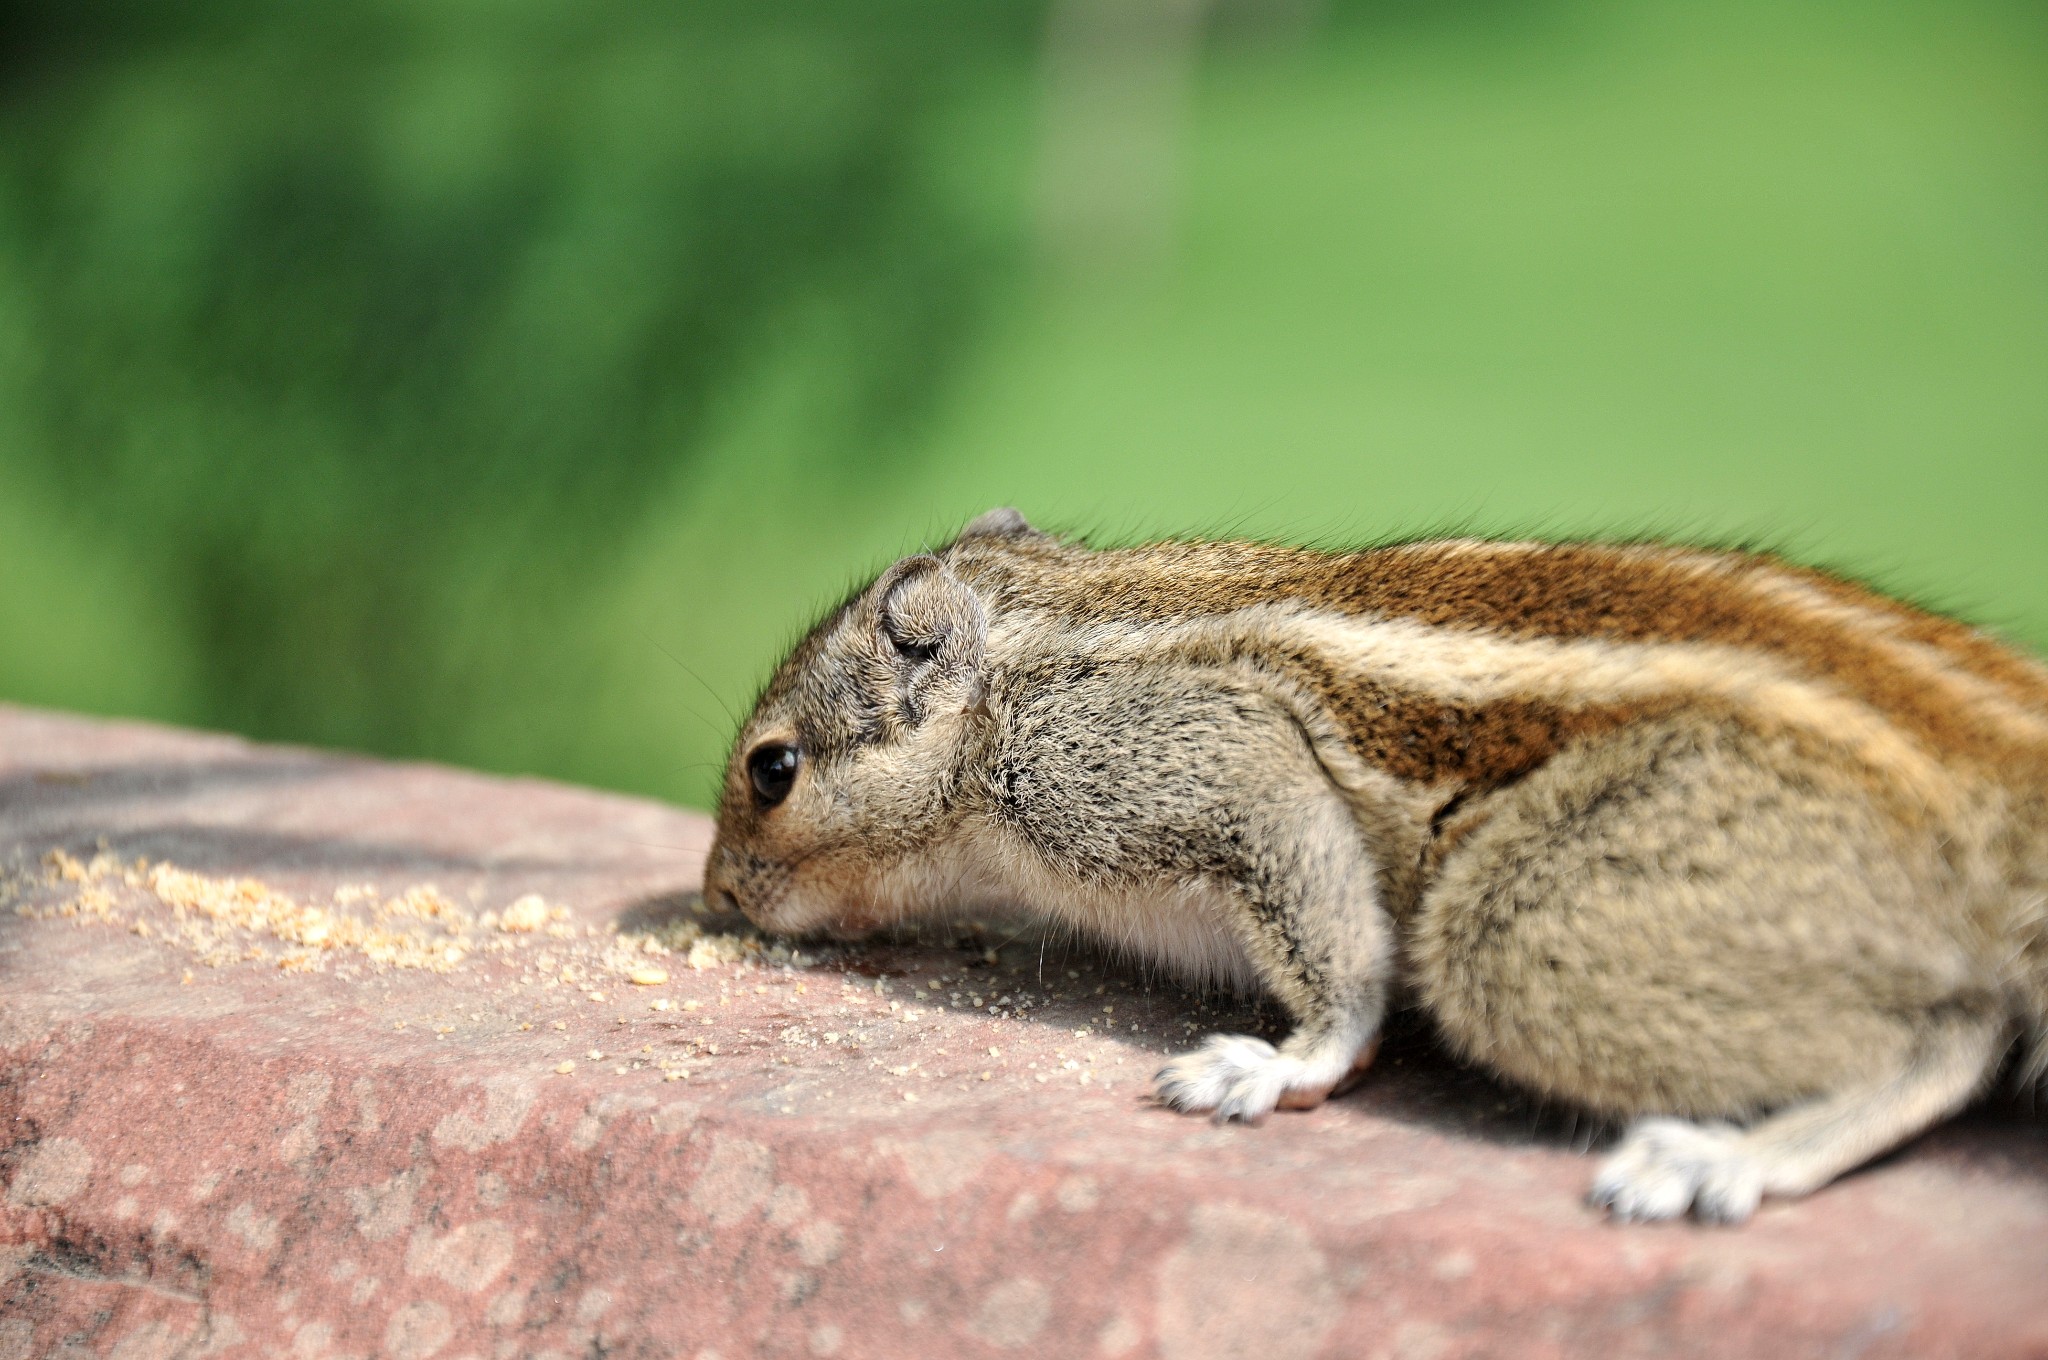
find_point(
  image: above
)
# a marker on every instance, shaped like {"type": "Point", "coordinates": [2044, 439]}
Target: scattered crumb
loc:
{"type": "Point", "coordinates": [222, 921]}
{"type": "Point", "coordinates": [532, 947]}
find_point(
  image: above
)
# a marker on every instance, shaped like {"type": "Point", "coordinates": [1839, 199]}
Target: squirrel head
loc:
{"type": "Point", "coordinates": [839, 791]}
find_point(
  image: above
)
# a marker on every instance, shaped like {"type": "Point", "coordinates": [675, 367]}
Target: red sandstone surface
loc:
{"type": "Point", "coordinates": [214, 1152]}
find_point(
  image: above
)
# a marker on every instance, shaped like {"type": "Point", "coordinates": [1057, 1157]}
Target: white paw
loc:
{"type": "Point", "coordinates": [1233, 1075]}
{"type": "Point", "coordinates": [1666, 1166]}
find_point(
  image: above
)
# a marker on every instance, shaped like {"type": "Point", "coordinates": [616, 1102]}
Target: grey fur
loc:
{"type": "Point", "coordinates": [1769, 913]}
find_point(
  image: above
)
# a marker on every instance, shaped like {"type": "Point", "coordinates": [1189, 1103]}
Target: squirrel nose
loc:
{"type": "Point", "coordinates": [717, 896]}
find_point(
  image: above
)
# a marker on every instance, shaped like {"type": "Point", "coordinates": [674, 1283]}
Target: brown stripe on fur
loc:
{"type": "Point", "coordinates": [2024, 678]}
{"type": "Point", "coordinates": [1423, 739]}
{"type": "Point", "coordinates": [1661, 595]}
{"type": "Point", "coordinates": [1573, 591]}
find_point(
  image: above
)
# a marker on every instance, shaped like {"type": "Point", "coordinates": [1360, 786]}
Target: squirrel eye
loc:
{"type": "Point", "coordinates": [771, 769]}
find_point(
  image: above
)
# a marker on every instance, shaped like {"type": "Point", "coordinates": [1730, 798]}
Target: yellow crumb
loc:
{"type": "Point", "coordinates": [528, 914]}
{"type": "Point", "coordinates": [218, 921]}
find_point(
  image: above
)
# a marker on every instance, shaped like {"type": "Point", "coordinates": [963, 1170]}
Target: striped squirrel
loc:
{"type": "Point", "coordinates": [1734, 850]}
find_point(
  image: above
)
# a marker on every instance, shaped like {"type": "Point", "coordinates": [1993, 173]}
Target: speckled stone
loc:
{"type": "Point", "coordinates": [254, 1163]}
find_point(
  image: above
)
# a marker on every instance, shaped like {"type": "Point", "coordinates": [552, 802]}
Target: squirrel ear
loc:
{"type": "Point", "coordinates": [1003, 523]}
{"type": "Point", "coordinates": [928, 615]}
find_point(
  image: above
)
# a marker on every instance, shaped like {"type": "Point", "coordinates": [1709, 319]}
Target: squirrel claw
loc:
{"type": "Point", "coordinates": [1236, 1077]}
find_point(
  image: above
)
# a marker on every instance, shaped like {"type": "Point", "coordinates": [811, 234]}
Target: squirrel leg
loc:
{"type": "Point", "coordinates": [1192, 786]}
{"type": "Point", "coordinates": [1665, 1166]}
{"type": "Point", "coordinates": [1321, 944]}
{"type": "Point", "coordinates": [1689, 924]}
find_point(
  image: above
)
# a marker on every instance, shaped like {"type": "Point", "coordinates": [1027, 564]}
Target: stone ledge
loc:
{"type": "Point", "coordinates": [236, 1159]}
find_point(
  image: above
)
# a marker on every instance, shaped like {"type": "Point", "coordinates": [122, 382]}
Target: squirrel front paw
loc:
{"type": "Point", "coordinates": [1234, 1076]}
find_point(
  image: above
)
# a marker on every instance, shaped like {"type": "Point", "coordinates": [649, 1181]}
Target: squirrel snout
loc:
{"type": "Point", "coordinates": [718, 892]}
{"type": "Point", "coordinates": [736, 882]}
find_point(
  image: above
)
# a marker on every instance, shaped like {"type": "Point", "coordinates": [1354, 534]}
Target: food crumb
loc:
{"type": "Point", "coordinates": [528, 914]}
{"type": "Point", "coordinates": [222, 920]}
{"type": "Point", "coordinates": [565, 1067]}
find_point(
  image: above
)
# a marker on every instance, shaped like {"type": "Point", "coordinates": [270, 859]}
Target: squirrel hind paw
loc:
{"type": "Point", "coordinates": [1667, 1166]}
{"type": "Point", "coordinates": [1234, 1076]}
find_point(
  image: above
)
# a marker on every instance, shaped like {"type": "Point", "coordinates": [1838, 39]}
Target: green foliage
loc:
{"type": "Point", "coordinates": [341, 317]}
{"type": "Point", "coordinates": [509, 383]}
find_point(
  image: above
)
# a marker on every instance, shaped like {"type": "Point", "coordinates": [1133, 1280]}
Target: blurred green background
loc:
{"type": "Point", "coordinates": [507, 383]}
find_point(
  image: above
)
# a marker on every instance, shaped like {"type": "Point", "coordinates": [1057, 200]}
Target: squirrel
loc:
{"type": "Point", "coordinates": [1736, 853]}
